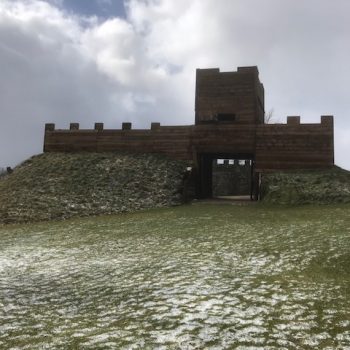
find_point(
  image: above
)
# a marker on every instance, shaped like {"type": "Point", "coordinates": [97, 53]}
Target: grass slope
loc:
{"type": "Point", "coordinates": [307, 187]}
{"type": "Point", "coordinates": [200, 276]}
{"type": "Point", "coordinates": [58, 186]}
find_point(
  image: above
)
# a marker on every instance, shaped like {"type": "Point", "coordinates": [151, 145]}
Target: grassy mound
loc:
{"type": "Point", "coordinates": [58, 186]}
{"type": "Point", "coordinates": [307, 187]}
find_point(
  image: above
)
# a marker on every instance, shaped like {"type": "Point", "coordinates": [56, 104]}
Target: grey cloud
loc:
{"type": "Point", "coordinates": [142, 68]}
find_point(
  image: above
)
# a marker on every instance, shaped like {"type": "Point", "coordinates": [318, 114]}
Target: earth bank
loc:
{"type": "Point", "coordinates": [321, 186]}
{"type": "Point", "coordinates": [55, 186]}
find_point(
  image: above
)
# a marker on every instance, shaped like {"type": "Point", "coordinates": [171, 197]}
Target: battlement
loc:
{"type": "Point", "coordinates": [169, 140]}
{"type": "Point", "coordinates": [274, 146]}
{"type": "Point", "coordinates": [325, 121]}
{"type": "Point", "coordinates": [98, 127]}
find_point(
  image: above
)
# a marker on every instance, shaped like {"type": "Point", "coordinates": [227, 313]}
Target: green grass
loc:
{"type": "Point", "coordinates": [202, 276]}
{"type": "Point", "coordinates": [318, 186]}
{"type": "Point", "coordinates": [54, 186]}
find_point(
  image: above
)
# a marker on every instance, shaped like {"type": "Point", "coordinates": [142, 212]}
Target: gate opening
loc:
{"type": "Point", "coordinates": [227, 176]}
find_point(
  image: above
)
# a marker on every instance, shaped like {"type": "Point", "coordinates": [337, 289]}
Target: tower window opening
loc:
{"type": "Point", "coordinates": [226, 117]}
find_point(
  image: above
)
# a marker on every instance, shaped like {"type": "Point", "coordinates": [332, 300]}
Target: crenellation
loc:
{"type": "Point", "coordinates": [249, 69]}
{"type": "Point", "coordinates": [74, 126]}
{"type": "Point", "coordinates": [293, 120]}
{"type": "Point", "coordinates": [126, 126]}
{"type": "Point", "coordinates": [99, 126]}
{"type": "Point", "coordinates": [327, 120]}
{"type": "Point", "coordinates": [49, 127]}
{"type": "Point", "coordinates": [155, 126]}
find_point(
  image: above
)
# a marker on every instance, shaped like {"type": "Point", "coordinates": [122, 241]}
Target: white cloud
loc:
{"type": "Point", "coordinates": [61, 67]}
{"type": "Point", "coordinates": [111, 45]}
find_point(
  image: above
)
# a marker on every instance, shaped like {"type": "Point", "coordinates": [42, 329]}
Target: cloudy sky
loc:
{"type": "Point", "coordinates": [111, 61]}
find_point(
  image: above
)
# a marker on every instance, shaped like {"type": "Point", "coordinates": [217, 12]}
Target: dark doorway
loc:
{"type": "Point", "coordinates": [226, 174]}
{"type": "Point", "coordinates": [231, 177]}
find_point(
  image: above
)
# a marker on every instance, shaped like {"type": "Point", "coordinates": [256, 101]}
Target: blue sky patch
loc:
{"type": "Point", "coordinates": [100, 8]}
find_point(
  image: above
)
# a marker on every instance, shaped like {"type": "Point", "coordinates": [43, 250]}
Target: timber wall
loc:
{"type": "Point", "coordinates": [173, 141]}
{"type": "Point", "coordinates": [239, 93]}
{"type": "Point", "coordinates": [294, 145]}
{"type": "Point", "coordinates": [273, 146]}
{"type": "Point", "coordinates": [179, 142]}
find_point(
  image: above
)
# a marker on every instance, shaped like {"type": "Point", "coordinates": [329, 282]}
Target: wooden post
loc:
{"type": "Point", "coordinates": [74, 126]}
{"type": "Point", "coordinates": [126, 126]}
{"type": "Point", "coordinates": [99, 126]}
{"type": "Point", "coordinates": [155, 126]}
{"type": "Point", "coordinates": [293, 120]}
{"type": "Point", "coordinates": [327, 120]}
{"type": "Point", "coordinates": [49, 127]}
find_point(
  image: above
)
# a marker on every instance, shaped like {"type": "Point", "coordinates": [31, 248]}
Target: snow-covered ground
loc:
{"type": "Point", "coordinates": [193, 277]}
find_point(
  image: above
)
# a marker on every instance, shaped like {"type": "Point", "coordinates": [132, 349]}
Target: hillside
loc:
{"type": "Point", "coordinates": [307, 187]}
{"type": "Point", "coordinates": [58, 186]}
{"type": "Point", "coordinates": [203, 276]}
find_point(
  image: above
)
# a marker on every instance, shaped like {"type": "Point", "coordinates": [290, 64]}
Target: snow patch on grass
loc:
{"type": "Point", "coordinates": [157, 280]}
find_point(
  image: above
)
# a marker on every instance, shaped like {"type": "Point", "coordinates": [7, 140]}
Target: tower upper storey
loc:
{"type": "Point", "coordinates": [229, 97]}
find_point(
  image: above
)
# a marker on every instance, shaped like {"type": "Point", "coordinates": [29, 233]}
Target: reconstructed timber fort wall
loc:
{"type": "Point", "coordinates": [274, 146]}
{"type": "Point", "coordinates": [229, 122]}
